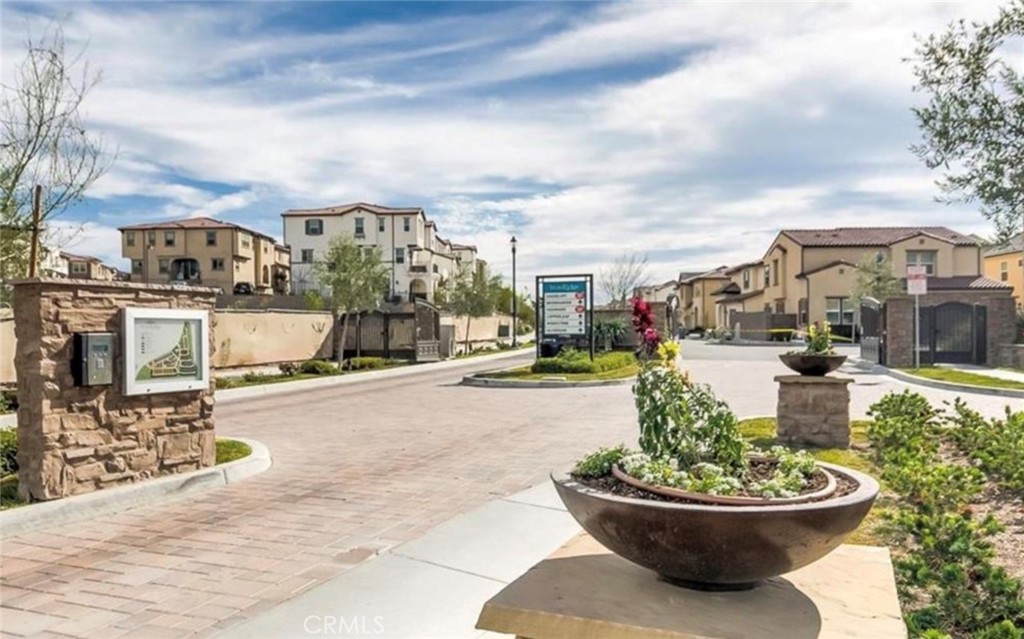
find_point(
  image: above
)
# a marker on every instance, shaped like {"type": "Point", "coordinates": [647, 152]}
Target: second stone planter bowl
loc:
{"type": "Point", "coordinates": [812, 365]}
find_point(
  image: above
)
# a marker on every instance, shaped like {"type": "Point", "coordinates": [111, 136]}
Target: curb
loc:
{"type": "Point", "coordinates": [228, 395]}
{"type": "Point", "coordinates": [107, 502]}
{"type": "Point", "coordinates": [963, 388]}
{"type": "Point", "coordinates": [484, 382]}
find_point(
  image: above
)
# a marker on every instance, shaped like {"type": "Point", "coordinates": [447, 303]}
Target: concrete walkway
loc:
{"type": "Point", "coordinates": [358, 470]}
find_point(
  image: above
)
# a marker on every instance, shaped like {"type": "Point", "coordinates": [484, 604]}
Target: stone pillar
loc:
{"type": "Point", "coordinates": [814, 410]}
{"type": "Point", "coordinates": [76, 439]}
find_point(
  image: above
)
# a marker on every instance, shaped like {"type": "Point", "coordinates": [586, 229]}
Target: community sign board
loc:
{"type": "Point", "coordinates": [917, 280]}
{"type": "Point", "coordinates": [166, 350]}
{"type": "Point", "coordinates": [565, 307]}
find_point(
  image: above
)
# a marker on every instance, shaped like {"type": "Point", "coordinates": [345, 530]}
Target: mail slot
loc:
{"type": "Point", "coordinates": [93, 363]}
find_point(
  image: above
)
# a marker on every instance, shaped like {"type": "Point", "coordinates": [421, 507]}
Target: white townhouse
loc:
{"type": "Point", "coordinates": [409, 244]}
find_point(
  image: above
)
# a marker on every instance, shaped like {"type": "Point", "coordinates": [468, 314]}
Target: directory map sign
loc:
{"type": "Point", "coordinates": [166, 350]}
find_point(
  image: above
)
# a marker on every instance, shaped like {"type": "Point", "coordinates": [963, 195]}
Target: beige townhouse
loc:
{"type": "Point", "coordinates": [1005, 263]}
{"type": "Point", "coordinates": [742, 293]}
{"type": "Point", "coordinates": [812, 272]}
{"type": "Point", "coordinates": [697, 297]}
{"type": "Point", "coordinates": [207, 252]}
{"type": "Point", "coordinates": [88, 267]}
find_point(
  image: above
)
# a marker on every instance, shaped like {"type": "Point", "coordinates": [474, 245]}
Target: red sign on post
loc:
{"type": "Point", "coordinates": [917, 280]}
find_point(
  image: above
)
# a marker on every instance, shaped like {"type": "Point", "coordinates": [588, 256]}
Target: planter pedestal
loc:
{"type": "Point", "coordinates": [583, 590]}
{"type": "Point", "coordinates": [814, 410]}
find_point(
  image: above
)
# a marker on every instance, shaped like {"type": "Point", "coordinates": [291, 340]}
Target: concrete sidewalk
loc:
{"type": "Point", "coordinates": [999, 373]}
{"type": "Point", "coordinates": [433, 586]}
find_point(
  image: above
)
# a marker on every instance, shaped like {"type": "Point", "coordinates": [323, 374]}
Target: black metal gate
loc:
{"type": "Point", "coordinates": [872, 337]}
{"type": "Point", "coordinates": [953, 333]}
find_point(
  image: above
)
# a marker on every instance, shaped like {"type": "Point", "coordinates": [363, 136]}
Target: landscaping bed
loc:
{"type": "Point", "coordinates": [573, 366]}
{"type": "Point", "coordinates": [962, 377]}
{"type": "Point", "coordinates": [310, 369]}
{"type": "Point", "coordinates": [228, 450]}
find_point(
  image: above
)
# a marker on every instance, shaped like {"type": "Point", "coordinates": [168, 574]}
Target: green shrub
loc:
{"type": "Point", "coordinates": [229, 450]}
{"type": "Point", "coordinates": [288, 369]}
{"type": "Point", "coordinates": [599, 464]}
{"type": "Point", "coordinates": [8, 451]}
{"type": "Point", "coordinates": [365, 363]}
{"type": "Point", "coordinates": [318, 367]}
{"type": "Point", "coordinates": [571, 361]}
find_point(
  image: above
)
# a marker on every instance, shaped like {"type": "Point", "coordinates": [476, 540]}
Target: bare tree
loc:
{"type": "Point", "coordinates": [44, 142]}
{"type": "Point", "coordinates": [621, 278]}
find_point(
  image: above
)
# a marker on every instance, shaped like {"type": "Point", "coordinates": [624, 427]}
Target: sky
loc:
{"type": "Point", "coordinates": [689, 131]}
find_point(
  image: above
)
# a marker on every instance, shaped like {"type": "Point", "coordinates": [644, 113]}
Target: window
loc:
{"type": "Point", "coordinates": [1004, 268]}
{"type": "Point", "coordinates": [767, 276]}
{"type": "Point", "coordinates": [775, 272]}
{"type": "Point", "coordinates": [151, 238]}
{"type": "Point", "coordinates": [381, 223]}
{"type": "Point", "coordinates": [435, 268]}
{"type": "Point", "coordinates": [314, 227]}
{"type": "Point", "coordinates": [746, 279]}
{"type": "Point", "coordinates": [246, 240]}
{"type": "Point", "coordinates": [802, 311]}
{"type": "Point", "coordinates": [838, 310]}
{"type": "Point", "coordinates": [780, 306]}
{"type": "Point", "coordinates": [165, 266]}
{"type": "Point", "coordinates": [400, 255]}
{"type": "Point", "coordinates": [211, 238]}
{"type": "Point", "coordinates": [406, 224]}
{"type": "Point", "coordinates": [307, 256]}
{"type": "Point", "coordinates": [168, 238]}
{"type": "Point", "coordinates": [368, 251]}
{"type": "Point", "coordinates": [129, 238]}
{"type": "Point", "coordinates": [79, 268]}
{"type": "Point", "coordinates": [266, 274]}
{"type": "Point", "coordinates": [136, 267]}
{"type": "Point", "coordinates": [922, 258]}
{"type": "Point", "coordinates": [217, 264]}
{"type": "Point", "coordinates": [360, 230]}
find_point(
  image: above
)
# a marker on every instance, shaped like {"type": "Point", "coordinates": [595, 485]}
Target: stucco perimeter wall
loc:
{"type": "Point", "coordinates": [250, 338]}
{"type": "Point", "coordinates": [481, 329]}
{"type": "Point", "coordinates": [7, 346]}
{"type": "Point", "coordinates": [77, 439]}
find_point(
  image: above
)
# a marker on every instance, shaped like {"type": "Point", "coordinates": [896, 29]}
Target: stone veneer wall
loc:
{"type": "Point", "coordinates": [1011, 355]}
{"type": "Point", "coordinates": [814, 410]}
{"type": "Point", "coordinates": [899, 320]}
{"type": "Point", "coordinates": [79, 439]}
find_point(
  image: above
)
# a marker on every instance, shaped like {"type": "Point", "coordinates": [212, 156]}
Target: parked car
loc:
{"type": "Point", "coordinates": [243, 288]}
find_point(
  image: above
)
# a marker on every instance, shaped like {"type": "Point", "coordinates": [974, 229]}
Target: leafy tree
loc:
{"type": "Point", "coordinates": [356, 278]}
{"type": "Point", "coordinates": [525, 314]}
{"type": "Point", "coordinates": [973, 124]}
{"type": "Point", "coordinates": [44, 142]}
{"type": "Point", "coordinates": [621, 278]}
{"type": "Point", "coordinates": [875, 279]}
{"type": "Point", "coordinates": [473, 293]}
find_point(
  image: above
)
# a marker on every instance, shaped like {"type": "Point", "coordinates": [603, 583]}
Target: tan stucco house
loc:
{"type": "Point", "coordinates": [87, 267]}
{"type": "Point", "coordinates": [697, 297]}
{"type": "Point", "coordinates": [1005, 263]}
{"type": "Point", "coordinates": [812, 272]}
{"type": "Point", "coordinates": [208, 252]}
{"type": "Point", "coordinates": [742, 293]}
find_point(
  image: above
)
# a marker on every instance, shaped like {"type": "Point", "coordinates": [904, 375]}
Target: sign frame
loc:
{"type": "Point", "coordinates": [133, 386]}
{"type": "Point", "coordinates": [917, 280]}
{"type": "Point", "coordinates": [542, 335]}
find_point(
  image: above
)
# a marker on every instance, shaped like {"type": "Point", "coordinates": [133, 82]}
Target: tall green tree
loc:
{"type": "Point", "coordinates": [525, 314]}
{"type": "Point", "coordinates": [973, 124]}
{"type": "Point", "coordinates": [356, 278]}
{"type": "Point", "coordinates": [875, 278]}
{"type": "Point", "coordinates": [44, 141]}
{"type": "Point", "coordinates": [473, 293]}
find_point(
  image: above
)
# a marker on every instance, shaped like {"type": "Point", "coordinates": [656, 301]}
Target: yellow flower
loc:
{"type": "Point", "coordinates": [668, 352]}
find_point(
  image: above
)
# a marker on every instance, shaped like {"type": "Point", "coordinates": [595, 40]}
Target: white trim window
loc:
{"type": "Point", "coordinates": [306, 256]}
{"type": "Point", "coordinates": [381, 223]}
{"type": "Point", "coordinates": [838, 310]}
{"type": "Point", "coordinates": [315, 226]}
{"type": "Point", "coordinates": [399, 255]}
{"type": "Point", "coordinates": [79, 268]}
{"type": "Point", "coordinates": [923, 258]}
{"type": "Point", "coordinates": [360, 227]}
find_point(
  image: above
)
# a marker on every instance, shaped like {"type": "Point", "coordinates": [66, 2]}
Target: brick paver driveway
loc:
{"type": "Point", "coordinates": [356, 469]}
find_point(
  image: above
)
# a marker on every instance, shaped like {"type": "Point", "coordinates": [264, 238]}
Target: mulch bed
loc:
{"type": "Point", "coordinates": [759, 471]}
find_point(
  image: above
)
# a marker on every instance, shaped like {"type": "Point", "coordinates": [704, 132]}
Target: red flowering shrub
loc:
{"type": "Point", "coordinates": [643, 326]}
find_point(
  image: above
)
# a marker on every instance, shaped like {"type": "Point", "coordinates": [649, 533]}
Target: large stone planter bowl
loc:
{"type": "Point", "coordinates": [813, 365]}
{"type": "Point", "coordinates": [718, 547]}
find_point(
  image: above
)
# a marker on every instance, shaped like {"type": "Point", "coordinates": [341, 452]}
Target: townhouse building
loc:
{"type": "Point", "coordinates": [1005, 263]}
{"type": "Point", "coordinates": [696, 297]}
{"type": "Point", "coordinates": [87, 267]}
{"type": "Point", "coordinates": [418, 259]}
{"type": "Point", "coordinates": [206, 252]}
{"type": "Point", "coordinates": [742, 293]}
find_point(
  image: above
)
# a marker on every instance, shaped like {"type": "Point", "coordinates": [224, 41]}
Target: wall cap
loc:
{"type": "Point", "coordinates": [811, 379]}
{"type": "Point", "coordinates": [73, 282]}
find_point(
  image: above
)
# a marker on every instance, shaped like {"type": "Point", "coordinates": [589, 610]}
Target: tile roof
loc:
{"type": "Point", "coordinates": [717, 273]}
{"type": "Point", "coordinates": [874, 236]}
{"type": "Point", "coordinates": [1014, 245]}
{"type": "Point", "coordinates": [727, 288]}
{"type": "Point", "coordinates": [685, 275]}
{"type": "Point", "coordinates": [79, 258]}
{"type": "Point", "coordinates": [342, 209]}
{"type": "Point", "coordinates": [825, 267]}
{"type": "Point", "coordinates": [740, 267]}
{"type": "Point", "coordinates": [741, 297]}
{"type": "Point", "coordinates": [964, 283]}
{"type": "Point", "coordinates": [191, 223]}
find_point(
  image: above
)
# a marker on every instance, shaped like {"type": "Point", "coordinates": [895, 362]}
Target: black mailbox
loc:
{"type": "Point", "coordinates": [93, 359]}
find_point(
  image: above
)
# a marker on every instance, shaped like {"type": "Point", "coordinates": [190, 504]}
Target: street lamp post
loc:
{"type": "Point", "coordinates": [515, 305]}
